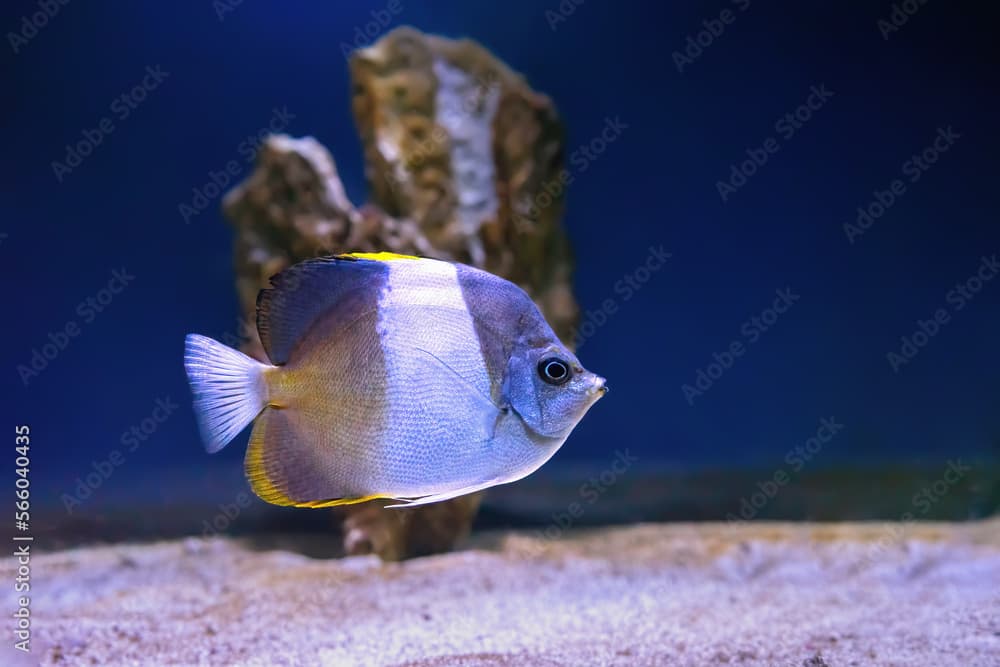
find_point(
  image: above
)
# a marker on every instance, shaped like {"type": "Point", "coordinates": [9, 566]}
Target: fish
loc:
{"type": "Point", "coordinates": [392, 377]}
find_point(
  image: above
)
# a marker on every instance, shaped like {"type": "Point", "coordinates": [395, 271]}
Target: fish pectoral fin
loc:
{"type": "Point", "coordinates": [447, 495]}
{"type": "Point", "coordinates": [486, 402]}
{"type": "Point", "coordinates": [464, 395]}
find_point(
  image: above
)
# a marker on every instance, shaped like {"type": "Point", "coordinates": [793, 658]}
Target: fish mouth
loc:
{"type": "Point", "coordinates": [598, 388]}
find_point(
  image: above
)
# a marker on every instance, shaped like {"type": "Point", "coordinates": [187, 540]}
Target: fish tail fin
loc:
{"type": "Point", "coordinates": [228, 386]}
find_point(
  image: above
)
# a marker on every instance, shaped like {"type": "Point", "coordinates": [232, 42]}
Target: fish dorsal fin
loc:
{"type": "Point", "coordinates": [348, 285]}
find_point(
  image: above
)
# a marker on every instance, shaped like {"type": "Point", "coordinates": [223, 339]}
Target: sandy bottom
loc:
{"type": "Point", "coordinates": [680, 594]}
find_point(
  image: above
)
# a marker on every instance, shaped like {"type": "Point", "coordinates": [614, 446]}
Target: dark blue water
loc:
{"type": "Point", "coordinates": [831, 304]}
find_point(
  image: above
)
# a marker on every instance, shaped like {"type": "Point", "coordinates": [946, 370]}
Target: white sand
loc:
{"type": "Point", "coordinates": [765, 594]}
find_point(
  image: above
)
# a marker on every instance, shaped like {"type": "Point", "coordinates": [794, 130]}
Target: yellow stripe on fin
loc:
{"type": "Point", "coordinates": [378, 256]}
{"type": "Point", "coordinates": [337, 501]}
{"type": "Point", "coordinates": [255, 466]}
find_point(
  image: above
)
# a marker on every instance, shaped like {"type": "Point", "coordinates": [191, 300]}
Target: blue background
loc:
{"type": "Point", "coordinates": [655, 185]}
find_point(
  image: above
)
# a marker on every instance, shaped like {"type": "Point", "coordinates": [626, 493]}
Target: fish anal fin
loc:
{"type": "Point", "coordinates": [447, 495]}
{"type": "Point", "coordinates": [337, 502]}
{"type": "Point", "coordinates": [284, 469]}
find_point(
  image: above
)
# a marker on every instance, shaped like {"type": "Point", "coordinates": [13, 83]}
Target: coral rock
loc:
{"type": "Point", "coordinates": [464, 163]}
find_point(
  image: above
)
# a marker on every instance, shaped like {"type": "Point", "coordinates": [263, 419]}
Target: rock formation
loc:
{"type": "Point", "coordinates": [463, 162]}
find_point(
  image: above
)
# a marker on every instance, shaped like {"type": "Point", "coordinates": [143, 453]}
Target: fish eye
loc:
{"type": "Point", "coordinates": [554, 371]}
